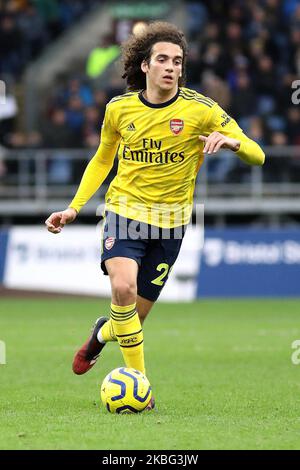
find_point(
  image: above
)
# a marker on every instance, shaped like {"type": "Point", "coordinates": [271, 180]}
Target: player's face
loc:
{"type": "Point", "coordinates": [165, 66]}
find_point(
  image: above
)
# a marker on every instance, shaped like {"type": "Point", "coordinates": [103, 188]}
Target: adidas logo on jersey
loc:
{"type": "Point", "coordinates": [131, 127]}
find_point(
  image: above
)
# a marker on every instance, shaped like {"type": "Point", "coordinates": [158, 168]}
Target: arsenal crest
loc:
{"type": "Point", "coordinates": [109, 243]}
{"type": "Point", "coordinates": [176, 126]}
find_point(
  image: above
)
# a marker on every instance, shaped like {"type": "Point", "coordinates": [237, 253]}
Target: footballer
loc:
{"type": "Point", "coordinates": [160, 131]}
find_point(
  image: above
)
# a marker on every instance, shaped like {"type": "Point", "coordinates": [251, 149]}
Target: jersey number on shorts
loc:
{"type": "Point", "coordinates": [159, 281]}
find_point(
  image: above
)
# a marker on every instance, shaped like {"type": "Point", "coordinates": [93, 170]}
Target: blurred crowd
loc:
{"type": "Point", "coordinates": [246, 57]}
{"type": "Point", "coordinates": [244, 54]}
{"type": "Point", "coordinates": [27, 26]}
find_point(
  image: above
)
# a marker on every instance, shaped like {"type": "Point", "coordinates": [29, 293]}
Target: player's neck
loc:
{"type": "Point", "coordinates": [157, 96]}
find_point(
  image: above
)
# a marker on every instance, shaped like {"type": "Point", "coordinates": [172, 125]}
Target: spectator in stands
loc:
{"type": "Point", "coordinates": [295, 20]}
{"type": "Point", "coordinates": [33, 28]}
{"type": "Point", "coordinates": [265, 76]}
{"type": "Point", "coordinates": [196, 18]}
{"type": "Point", "coordinates": [102, 56]}
{"type": "Point", "coordinates": [100, 99]}
{"type": "Point", "coordinates": [255, 130]}
{"type": "Point", "coordinates": [277, 170]}
{"type": "Point", "coordinates": [91, 124]}
{"type": "Point", "coordinates": [243, 102]}
{"type": "Point", "coordinates": [293, 125]}
{"type": "Point", "coordinates": [194, 66]}
{"type": "Point", "coordinates": [216, 88]}
{"type": "Point", "coordinates": [2, 162]}
{"type": "Point", "coordinates": [50, 12]}
{"type": "Point", "coordinates": [74, 114]}
{"type": "Point", "coordinates": [77, 87]}
{"type": "Point", "coordinates": [213, 59]}
{"type": "Point", "coordinates": [11, 46]}
{"type": "Point", "coordinates": [56, 133]}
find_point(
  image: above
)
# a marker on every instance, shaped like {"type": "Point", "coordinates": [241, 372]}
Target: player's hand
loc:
{"type": "Point", "coordinates": [216, 140]}
{"type": "Point", "coordinates": [57, 220]}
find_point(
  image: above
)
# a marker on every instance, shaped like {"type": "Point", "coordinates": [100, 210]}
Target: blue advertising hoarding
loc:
{"type": "Point", "coordinates": [250, 263]}
{"type": "Point", "coordinates": [3, 251]}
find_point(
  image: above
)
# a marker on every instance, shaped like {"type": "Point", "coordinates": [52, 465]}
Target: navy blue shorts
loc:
{"type": "Point", "coordinates": [153, 248]}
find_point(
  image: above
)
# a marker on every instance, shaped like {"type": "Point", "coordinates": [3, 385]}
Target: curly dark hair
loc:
{"type": "Point", "coordinates": [139, 48]}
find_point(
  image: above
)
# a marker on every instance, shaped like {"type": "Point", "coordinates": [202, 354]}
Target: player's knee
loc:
{"type": "Point", "coordinates": [124, 291]}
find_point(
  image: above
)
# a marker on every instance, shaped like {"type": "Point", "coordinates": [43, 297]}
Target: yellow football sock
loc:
{"type": "Point", "coordinates": [129, 333]}
{"type": "Point", "coordinates": [107, 332]}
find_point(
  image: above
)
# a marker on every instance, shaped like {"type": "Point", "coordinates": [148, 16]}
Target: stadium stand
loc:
{"type": "Point", "coordinates": [245, 55]}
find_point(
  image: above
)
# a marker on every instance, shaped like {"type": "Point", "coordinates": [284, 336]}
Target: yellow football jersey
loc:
{"type": "Point", "coordinates": [159, 155]}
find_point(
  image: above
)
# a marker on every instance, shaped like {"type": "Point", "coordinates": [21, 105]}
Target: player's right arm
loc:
{"type": "Point", "coordinates": [94, 175]}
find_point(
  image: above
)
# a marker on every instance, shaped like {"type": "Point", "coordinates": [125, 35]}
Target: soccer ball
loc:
{"type": "Point", "coordinates": [125, 390]}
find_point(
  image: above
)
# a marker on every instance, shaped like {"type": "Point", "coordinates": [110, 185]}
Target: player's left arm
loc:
{"type": "Point", "coordinates": [222, 131]}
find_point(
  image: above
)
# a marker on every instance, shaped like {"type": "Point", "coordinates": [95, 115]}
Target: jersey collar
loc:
{"type": "Point", "coordinates": [157, 105]}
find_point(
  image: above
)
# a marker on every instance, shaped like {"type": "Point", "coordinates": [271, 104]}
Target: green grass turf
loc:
{"type": "Point", "coordinates": [221, 372]}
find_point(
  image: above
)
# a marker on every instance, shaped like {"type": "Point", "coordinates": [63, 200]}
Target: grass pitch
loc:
{"type": "Point", "coordinates": [221, 372]}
